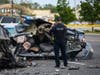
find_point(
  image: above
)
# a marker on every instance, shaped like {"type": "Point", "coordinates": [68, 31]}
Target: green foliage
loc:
{"type": "Point", "coordinates": [4, 1]}
{"type": "Point", "coordinates": [36, 6]}
{"type": "Point", "coordinates": [48, 6]}
{"type": "Point", "coordinates": [90, 10]}
{"type": "Point", "coordinates": [29, 5]}
{"type": "Point", "coordinates": [97, 9]}
{"type": "Point", "coordinates": [51, 7]}
{"type": "Point", "coordinates": [65, 12]}
{"type": "Point", "coordinates": [96, 30]}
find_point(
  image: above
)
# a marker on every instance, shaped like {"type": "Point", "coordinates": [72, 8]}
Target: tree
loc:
{"type": "Point", "coordinates": [90, 10]}
{"type": "Point", "coordinates": [29, 5]}
{"type": "Point", "coordinates": [4, 1]}
{"type": "Point", "coordinates": [65, 11]}
{"type": "Point", "coordinates": [36, 5]}
{"type": "Point", "coordinates": [48, 6]}
{"type": "Point", "coordinates": [97, 9]}
{"type": "Point", "coordinates": [51, 7]}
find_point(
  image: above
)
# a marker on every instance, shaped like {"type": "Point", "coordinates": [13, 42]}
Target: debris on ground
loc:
{"type": "Point", "coordinates": [94, 66]}
{"type": "Point", "coordinates": [73, 68]}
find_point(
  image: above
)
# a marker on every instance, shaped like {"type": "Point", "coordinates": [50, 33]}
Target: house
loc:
{"type": "Point", "coordinates": [6, 9]}
{"type": "Point", "coordinates": [44, 14]}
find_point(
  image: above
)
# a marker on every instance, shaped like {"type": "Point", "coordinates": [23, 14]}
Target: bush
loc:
{"type": "Point", "coordinates": [96, 30]}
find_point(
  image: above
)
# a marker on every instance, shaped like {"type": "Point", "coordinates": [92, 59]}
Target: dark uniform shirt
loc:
{"type": "Point", "coordinates": [59, 32]}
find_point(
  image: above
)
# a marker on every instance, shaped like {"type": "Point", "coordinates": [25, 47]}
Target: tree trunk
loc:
{"type": "Point", "coordinates": [92, 26]}
{"type": "Point", "coordinates": [92, 29]}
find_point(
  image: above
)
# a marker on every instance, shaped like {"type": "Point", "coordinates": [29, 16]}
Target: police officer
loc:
{"type": "Point", "coordinates": [59, 32]}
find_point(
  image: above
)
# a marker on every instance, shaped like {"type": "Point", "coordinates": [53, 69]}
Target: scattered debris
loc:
{"type": "Point", "coordinates": [37, 73]}
{"type": "Point", "coordinates": [56, 73]}
{"type": "Point", "coordinates": [94, 66]}
{"type": "Point", "coordinates": [73, 68]}
{"type": "Point", "coordinates": [68, 73]}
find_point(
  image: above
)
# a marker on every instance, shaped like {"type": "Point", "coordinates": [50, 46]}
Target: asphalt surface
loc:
{"type": "Point", "coordinates": [46, 67]}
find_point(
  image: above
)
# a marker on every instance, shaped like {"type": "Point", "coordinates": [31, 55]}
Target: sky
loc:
{"type": "Point", "coordinates": [72, 3]}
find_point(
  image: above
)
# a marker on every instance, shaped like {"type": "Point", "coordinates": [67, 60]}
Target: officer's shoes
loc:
{"type": "Point", "coordinates": [57, 69]}
{"type": "Point", "coordinates": [63, 67]}
{"type": "Point", "coordinates": [57, 66]}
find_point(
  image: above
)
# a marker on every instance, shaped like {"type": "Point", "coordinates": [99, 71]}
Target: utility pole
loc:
{"type": "Point", "coordinates": [24, 1]}
{"type": "Point", "coordinates": [75, 7]}
{"type": "Point", "coordinates": [12, 7]}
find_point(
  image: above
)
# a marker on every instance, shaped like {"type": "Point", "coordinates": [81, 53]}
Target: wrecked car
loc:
{"type": "Point", "coordinates": [40, 43]}
{"type": "Point", "coordinates": [7, 58]}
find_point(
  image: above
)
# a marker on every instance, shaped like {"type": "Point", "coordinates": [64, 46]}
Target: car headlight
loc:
{"type": "Point", "coordinates": [83, 40]}
{"type": "Point", "coordinates": [1, 54]}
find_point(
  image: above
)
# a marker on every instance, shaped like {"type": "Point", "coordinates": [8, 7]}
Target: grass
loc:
{"type": "Point", "coordinates": [95, 31]}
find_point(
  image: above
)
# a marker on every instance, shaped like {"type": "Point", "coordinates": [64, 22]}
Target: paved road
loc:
{"type": "Point", "coordinates": [94, 39]}
{"type": "Point", "coordinates": [46, 67]}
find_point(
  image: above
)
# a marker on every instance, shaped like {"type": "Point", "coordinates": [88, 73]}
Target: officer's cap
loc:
{"type": "Point", "coordinates": [58, 19]}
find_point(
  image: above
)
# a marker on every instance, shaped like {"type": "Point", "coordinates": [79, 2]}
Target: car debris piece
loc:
{"type": "Point", "coordinates": [7, 59]}
{"type": "Point", "coordinates": [94, 66]}
{"type": "Point", "coordinates": [73, 68]}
